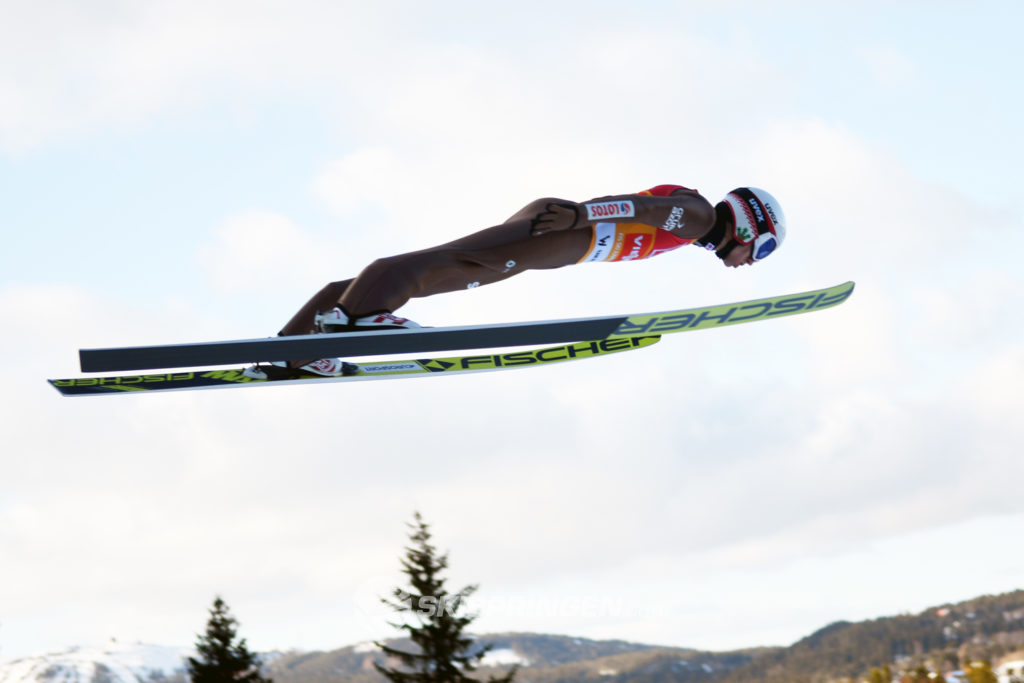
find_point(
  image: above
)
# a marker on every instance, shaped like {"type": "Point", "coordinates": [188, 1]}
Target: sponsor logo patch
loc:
{"type": "Point", "coordinates": [633, 247]}
{"type": "Point", "coordinates": [389, 367]}
{"type": "Point", "coordinates": [755, 206]}
{"type": "Point", "coordinates": [604, 238]}
{"type": "Point", "coordinates": [553, 354]}
{"type": "Point", "coordinates": [715, 316]}
{"type": "Point", "coordinates": [129, 379]}
{"type": "Point", "coordinates": [605, 210]}
{"type": "Point", "coordinates": [675, 219]}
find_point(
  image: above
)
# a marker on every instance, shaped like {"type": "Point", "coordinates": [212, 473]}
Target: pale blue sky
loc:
{"type": "Point", "coordinates": [179, 171]}
{"type": "Point", "coordinates": [940, 98]}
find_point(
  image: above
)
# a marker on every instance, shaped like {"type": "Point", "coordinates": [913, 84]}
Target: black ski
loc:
{"type": "Point", "coordinates": [423, 340]}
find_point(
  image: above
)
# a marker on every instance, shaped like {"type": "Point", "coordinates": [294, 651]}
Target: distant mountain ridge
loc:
{"type": "Point", "coordinates": [543, 658]}
{"type": "Point", "coordinates": [942, 639]}
{"type": "Point", "coordinates": [111, 663]}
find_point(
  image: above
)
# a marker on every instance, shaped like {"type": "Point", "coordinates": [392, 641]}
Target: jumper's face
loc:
{"type": "Point", "coordinates": [741, 255]}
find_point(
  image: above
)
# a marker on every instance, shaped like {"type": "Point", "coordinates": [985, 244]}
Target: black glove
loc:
{"type": "Point", "coordinates": [556, 216]}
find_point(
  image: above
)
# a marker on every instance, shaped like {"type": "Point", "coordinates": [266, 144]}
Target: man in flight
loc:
{"type": "Point", "coordinates": [745, 227]}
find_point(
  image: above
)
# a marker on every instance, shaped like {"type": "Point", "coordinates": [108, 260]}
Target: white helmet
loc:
{"type": "Point", "coordinates": [758, 219]}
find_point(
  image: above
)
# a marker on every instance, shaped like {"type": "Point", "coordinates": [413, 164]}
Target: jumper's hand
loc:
{"type": "Point", "coordinates": [556, 216]}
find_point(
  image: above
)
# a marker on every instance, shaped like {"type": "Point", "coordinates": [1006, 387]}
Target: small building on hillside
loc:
{"type": "Point", "coordinates": [1011, 671]}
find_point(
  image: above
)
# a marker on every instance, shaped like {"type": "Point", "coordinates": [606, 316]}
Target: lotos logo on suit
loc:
{"type": "Point", "coordinates": [605, 210]}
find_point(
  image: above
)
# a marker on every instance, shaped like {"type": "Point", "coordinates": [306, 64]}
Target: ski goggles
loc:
{"type": "Point", "coordinates": [764, 245]}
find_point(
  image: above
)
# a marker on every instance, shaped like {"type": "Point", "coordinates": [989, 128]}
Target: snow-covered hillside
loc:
{"type": "Point", "coordinates": [112, 663]}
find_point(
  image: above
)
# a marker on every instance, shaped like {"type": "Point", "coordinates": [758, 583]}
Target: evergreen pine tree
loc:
{"type": "Point", "coordinates": [445, 654]}
{"type": "Point", "coordinates": [221, 660]}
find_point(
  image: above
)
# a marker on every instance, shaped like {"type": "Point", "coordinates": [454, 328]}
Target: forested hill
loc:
{"type": "Point", "coordinates": [944, 638]}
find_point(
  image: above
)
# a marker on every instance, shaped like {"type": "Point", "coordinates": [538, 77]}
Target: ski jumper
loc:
{"type": "Point", "coordinates": [660, 219]}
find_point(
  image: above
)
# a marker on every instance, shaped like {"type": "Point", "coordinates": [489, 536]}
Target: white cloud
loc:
{"type": "Point", "coordinates": [260, 252]}
{"type": "Point", "coordinates": [994, 389]}
{"type": "Point", "coordinates": [367, 175]}
{"type": "Point", "coordinates": [69, 69]}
